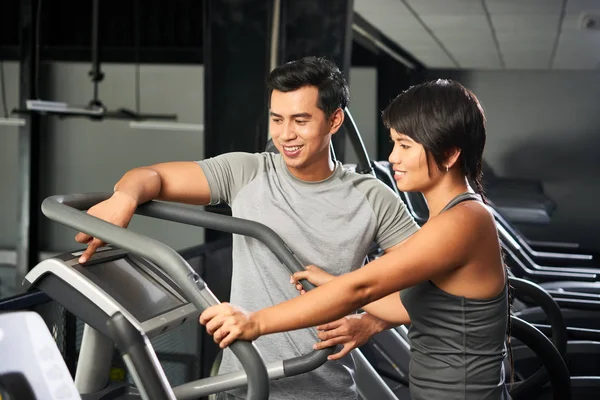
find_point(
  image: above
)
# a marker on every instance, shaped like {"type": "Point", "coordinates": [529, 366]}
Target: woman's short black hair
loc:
{"type": "Point", "coordinates": [442, 115]}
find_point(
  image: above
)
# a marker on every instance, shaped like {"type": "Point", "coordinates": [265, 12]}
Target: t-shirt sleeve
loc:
{"type": "Point", "coordinates": [228, 173]}
{"type": "Point", "coordinates": [394, 222]}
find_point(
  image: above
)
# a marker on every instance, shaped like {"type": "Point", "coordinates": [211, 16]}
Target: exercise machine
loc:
{"type": "Point", "coordinates": [32, 367]}
{"type": "Point", "coordinates": [153, 290]}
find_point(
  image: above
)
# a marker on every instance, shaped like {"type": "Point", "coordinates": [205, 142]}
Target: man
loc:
{"type": "Point", "coordinates": [328, 215]}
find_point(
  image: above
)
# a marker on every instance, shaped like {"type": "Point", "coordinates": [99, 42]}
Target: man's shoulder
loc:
{"type": "Point", "coordinates": [367, 184]}
{"type": "Point", "coordinates": [237, 160]}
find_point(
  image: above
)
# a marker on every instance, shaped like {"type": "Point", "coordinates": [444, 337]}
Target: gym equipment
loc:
{"type": "Point", "coordinates": [115, 282]}
{"type": "Point", "coordinates": [551, 253]}
{"type": "Point", "coordinates": [37, 371]}
{"type": "Point", "coordinates": [577, 354]}
{"type": "Point", "coordinates": [148, 285]}
{"type": "Point", "coordinates": [520, 200]}
{"type": "Point", "coordinates": [32, 367]}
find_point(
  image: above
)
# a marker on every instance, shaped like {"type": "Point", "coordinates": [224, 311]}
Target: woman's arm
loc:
{"type": "Point", "coordinates": [389, 309]}
{"type": "Point", "coordinates": [441, 245]}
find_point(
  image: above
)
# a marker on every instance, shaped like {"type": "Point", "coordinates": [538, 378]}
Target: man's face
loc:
{"type": "Point", "coordinates": [300, 130]}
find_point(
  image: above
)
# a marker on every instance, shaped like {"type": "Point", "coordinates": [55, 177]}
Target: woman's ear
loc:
{"type": "Point", "coordinates": [452, 158]}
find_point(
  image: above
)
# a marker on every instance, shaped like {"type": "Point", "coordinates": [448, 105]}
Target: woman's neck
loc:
{"type": "Point", "coordinates": [440, 195]}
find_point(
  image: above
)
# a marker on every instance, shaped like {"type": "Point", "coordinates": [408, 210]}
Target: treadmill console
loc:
{"type": "Point", "coordinates": [113, 281]}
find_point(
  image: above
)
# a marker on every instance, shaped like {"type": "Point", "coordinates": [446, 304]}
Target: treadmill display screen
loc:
{"type": "Point", "coordinates": [138, 292]}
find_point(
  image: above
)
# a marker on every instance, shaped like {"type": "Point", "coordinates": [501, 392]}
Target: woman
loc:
{"type": "Point", "coordinates": [448, 280]}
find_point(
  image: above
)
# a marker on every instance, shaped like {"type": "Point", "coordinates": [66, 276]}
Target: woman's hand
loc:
{"type": "Point", "coordinates": [227, 323]}
{"type": "Point", "coordinates": [313, 274]}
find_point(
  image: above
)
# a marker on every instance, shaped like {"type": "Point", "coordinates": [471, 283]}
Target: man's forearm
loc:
{"type": "Point", "coordinates": [378, 324]}
{"type": "Point", "coordinates": [142, 184]}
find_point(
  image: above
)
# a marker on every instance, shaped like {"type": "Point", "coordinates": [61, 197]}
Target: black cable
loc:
{"type": "Point", "coordinates": [38, 24]}
{"type": "Point", "coordinates": [137, 55]}
{"type": "Point", "coordinates": [3, 89]}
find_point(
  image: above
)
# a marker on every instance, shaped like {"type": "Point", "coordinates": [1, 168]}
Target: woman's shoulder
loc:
{"type": "Point", "coordinates": [468, 219]}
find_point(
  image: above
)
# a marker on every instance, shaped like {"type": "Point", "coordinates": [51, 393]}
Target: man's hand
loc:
{"type": "Point", "coordinates": [118, 210]}
{"type": "Point", "coordinates": [313, 274]}
{"type": "Point", "coordinates": [227, 323]}
{"type": "Point", "coordinates": [351, 331]}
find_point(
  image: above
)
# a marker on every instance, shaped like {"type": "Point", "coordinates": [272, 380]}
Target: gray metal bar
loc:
{"type": "Point", "coordinates": [369, 384]}
{"type": "Point", "coordinates": [551, 359]}
{"type": "Point", "coordinates": [364, 163]}
{"type": "Point", "coordinates": [266, 235]}
{"type": "Point", "coordinates": [556, 245]}
{"type": "Point", "coordinates": [29, 146]}
{"type": "Point", "coordinates": [219, 383]}
{"type": "Point", "coordinates": [528, 290]}
{"type": "Point", "coordinates": [95, 358]}
{"type": "Point", "coordinates": [65, 209]}
{"type": "Point", "coordinates": [171, 261]}
{"type": "Point", "coordinates": [140, 359]}
{"type": "Point", "coordinates": [225, 223]}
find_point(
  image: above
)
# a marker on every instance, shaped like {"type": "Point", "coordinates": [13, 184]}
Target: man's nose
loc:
{"type": "Point", "coordinates": [287, 131]}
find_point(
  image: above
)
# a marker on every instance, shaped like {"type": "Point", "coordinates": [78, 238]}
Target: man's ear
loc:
{"type": "Point", "coordinates": [336, 120]}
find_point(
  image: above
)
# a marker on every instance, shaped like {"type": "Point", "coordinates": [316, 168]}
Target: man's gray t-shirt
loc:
{"type": "Point", "coordinates": [330, 224]}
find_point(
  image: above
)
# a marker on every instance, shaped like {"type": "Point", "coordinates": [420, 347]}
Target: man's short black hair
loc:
{"type": "Point", "coordinates": [312, 71]}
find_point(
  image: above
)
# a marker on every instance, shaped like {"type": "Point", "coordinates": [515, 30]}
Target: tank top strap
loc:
{"type": "Point", "coordinates": [460, 198]}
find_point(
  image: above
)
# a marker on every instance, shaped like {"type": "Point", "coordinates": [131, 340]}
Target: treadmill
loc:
{"type": "Point", "coordinates": [151, 289]}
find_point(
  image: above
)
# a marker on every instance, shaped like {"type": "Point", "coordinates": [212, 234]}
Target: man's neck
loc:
{"type": "Point", "coordinates": [315, 172]}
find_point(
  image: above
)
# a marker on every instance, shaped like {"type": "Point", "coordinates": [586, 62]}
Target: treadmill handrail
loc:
{"type": "Point", "coordinates": [552, 360]}
{"type": "Point", "coordinates": [538, 275]}
{"type": "Point", "coordinates": [518, 249]}
{"type": "Point", "coordinates": [66, 209]}
{"type": "Point", "coordinates": [145, 367]}
{"type": "Point", "coordinates": [364, 163]}
{"type": "Point", "coordinates": [177, 213]}
{"type": "Point", "coordinates": [527, 247]}
{"type": "Point", "coordinates": [524, 288]}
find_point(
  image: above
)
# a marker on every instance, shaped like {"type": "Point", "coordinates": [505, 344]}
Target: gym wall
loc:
{"type": "Point", "coordinates": [545, 125]}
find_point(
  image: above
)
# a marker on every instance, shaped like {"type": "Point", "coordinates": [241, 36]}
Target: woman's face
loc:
{"type": "Point", "coordinates": [413, 170]}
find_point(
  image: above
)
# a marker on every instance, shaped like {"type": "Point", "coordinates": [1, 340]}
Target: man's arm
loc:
{"type": "Point", "coordinates": [209, 181]}
{"type": "Point", "coordinates": [183, 182]}
{"type": "Point", "coordinates": [173, 181]}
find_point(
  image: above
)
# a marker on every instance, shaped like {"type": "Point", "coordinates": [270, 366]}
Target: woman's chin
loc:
{"type": "Point", "coordinates": [404, 187]}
